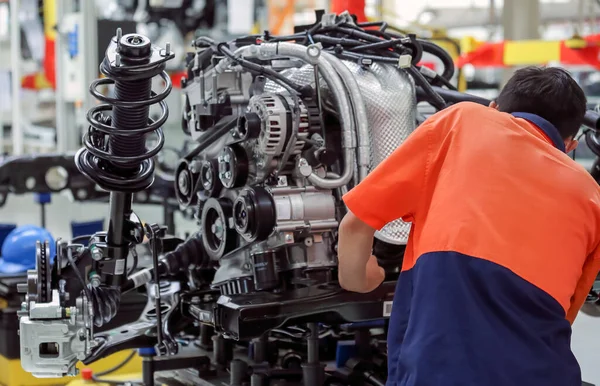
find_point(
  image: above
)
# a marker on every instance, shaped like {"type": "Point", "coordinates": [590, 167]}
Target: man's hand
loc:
{"type": "Point", "coordinates": [373, 276]}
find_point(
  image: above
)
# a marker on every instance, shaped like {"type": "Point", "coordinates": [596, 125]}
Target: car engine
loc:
{"type": "Point", "coordinates": [283, 126]}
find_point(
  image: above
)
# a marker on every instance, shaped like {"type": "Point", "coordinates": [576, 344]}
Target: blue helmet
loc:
{"type": "Point", "coordinates": [18, 249]}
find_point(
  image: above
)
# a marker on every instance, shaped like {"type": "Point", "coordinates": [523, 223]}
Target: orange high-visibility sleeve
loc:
{"type": "Point", "coordinates": [394, 189]}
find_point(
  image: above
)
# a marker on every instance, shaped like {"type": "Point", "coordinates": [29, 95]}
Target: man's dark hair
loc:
{"type": "Point", "coordinates": [548, 92]}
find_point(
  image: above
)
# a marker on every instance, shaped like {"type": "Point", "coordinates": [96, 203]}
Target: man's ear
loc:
{"type": "Point", "coordinates": [494, 105]}
{"type": "Point", "coordinates": [571, 144]}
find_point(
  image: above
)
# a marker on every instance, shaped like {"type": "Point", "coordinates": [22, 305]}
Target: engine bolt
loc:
{"type": "Point", "coordinates": [117, 60]}
{"type": "Point", "coordinates": [97, 254]}
{"type": "Point", "coordinates": [304, 167]}
{"type": "Point", "coordinates": [227, 174]}
{"type": "Point", "coordinates": [289, 238]}
{"type": "Point", "coordinates": [95, 280]}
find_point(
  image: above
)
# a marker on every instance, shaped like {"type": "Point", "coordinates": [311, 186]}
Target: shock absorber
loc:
{"type": "Point", "coordinates": [115, 155]}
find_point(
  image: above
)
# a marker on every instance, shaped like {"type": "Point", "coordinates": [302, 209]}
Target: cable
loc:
{"type": "Point", "coordinates": [253, 67]}
{"type": "Point", "coordinates": [78, 274]}
{"type": "Point", "coordinates": [381, 24]}
{"type": "Point", "coordinates": [440, 53]}
{"type": "Point", "coordinates": [446, 83]}
{"type": "Point", "coordinates": [116, 367]}
{"type": "Point", "coordinates": [436, 99]}
{"type": "Point", "coordinates": [105, 301]}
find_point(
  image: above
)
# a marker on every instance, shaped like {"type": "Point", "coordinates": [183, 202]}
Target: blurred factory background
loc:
{"type": "Point", "coordinates": [50, 52]}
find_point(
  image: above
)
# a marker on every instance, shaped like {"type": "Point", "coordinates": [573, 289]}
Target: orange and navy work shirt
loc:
{"type": "Point", "coordinates": [503, 250]}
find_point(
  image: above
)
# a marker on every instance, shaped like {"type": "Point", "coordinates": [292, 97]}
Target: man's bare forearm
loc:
{"type": "Point", "coordinates": [354, 249]}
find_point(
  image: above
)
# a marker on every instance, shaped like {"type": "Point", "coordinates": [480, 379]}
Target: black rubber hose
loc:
{"type": "Point", "coordinates": [592, 120]}
{"type": "Point", "coordinates": [381, 24]}
{"type": "Point", "coordinates": [453, 96]}
{"type": "Point", "coordinates": [415, 44]}
{"type": "Point", "coordinates": [344, 42]}
{"type": "Point", "coordinates": [308, 34]}
{"type": "Point", "coordinates": [440, 53]}
{"type": "Point", "coordinates": [358, 33]}
{"type": "Point", "coordinates": [356, 56]}
{"type": "Point", "coordinates": [262, 70]}
{"type": "Point", "coordinates": [118, 366]}
{"type": "Point", "coordinates": [383, 44]}
{"type": "Point", "coordinates": [434, 98]}
{"type": "Point", "coordinates": [250, 66]}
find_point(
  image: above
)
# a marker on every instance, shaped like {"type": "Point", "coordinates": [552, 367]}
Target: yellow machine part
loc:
{"type": "Point", "coordinates": [123, 377]}
{"type": "Point", "coordinates": [12, 374]}
{"type": "Point", "coordinates": [531, 52]}
{"type": "Point", "coordinates": [50, 19]}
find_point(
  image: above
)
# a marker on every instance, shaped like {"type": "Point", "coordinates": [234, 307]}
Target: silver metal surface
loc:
{"type": "Point", "coordinates": [303, 204]}
{"type": "Point", "coordinates": [53, 339]}
{"type": "Point", "coordinates": [390, 98]}
{"type": "Point", "coordinates": [306, 209]}
{"type": "Point", "coordinates": [318, 252]}
{"type": "Point", "coordinates": [201, 89]}
{"type": "Point", "coordinates": [273, 139]}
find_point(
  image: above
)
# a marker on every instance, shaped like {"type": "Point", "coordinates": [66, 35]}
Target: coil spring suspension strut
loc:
{"type": "Point", "coordinates": [122, 163]}
{"type": "Point", "coordinates": [115, 155]}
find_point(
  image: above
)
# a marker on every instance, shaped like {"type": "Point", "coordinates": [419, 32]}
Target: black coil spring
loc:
{"type": "Point", "coordinates": [105, 302]}
{"type": "Point", "coordinates": [123, 163]}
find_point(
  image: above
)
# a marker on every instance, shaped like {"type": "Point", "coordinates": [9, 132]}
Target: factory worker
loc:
{"type": "Point", "coordinates": [504, 245]}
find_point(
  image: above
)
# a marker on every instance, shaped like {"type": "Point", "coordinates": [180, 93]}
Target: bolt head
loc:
{"type": "Point", "coordinates": [97, 254]}
{"type": "Point", "coordinates": [95, 281]}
